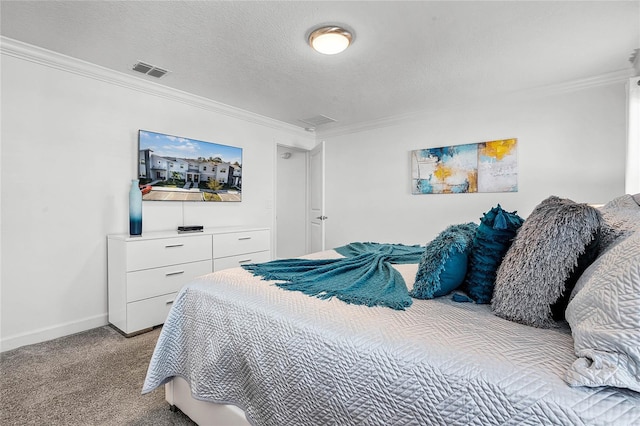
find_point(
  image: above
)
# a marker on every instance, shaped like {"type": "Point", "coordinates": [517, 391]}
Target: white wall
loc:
{"type": "Point", "coordinates": [74, 128]}
{"type": "Point", "coordinates": [571, 145]}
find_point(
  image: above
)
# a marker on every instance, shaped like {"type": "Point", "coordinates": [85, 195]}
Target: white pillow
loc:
{"type": "Point", "coordinates": [621, 216]}
{"type": "Point", "coordinates": [604, 316]}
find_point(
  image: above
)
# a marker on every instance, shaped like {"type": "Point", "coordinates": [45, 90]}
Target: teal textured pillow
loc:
{"type": "Point", "coordinates": [443, 264]}
{"type": "Point", "coordinates": [492, 240]}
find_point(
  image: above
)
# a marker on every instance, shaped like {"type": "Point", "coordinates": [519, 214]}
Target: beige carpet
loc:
{"type": "Point", "coordinates": [90, 378]}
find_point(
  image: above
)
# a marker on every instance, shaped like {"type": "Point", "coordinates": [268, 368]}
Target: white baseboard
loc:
{"type": "Point", "coordinates": [53, 332]}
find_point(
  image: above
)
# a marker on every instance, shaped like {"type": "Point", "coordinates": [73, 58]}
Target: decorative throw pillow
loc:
{"type": "Point", "coordinates": [443, 264]}
{"type": "Point", "coordinates": [604, 316]}
{"type": "Point", "coordinates": [493, 237]}
{"type": "Point", "coordinates": [535, 270]}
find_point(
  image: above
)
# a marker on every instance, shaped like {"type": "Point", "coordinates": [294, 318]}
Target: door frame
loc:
{"type": "Point", "coordinates": [321, 147]}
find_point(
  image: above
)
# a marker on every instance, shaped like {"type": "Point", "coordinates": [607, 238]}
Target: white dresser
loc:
{"type": "Point", "coordinates": [146, 272]}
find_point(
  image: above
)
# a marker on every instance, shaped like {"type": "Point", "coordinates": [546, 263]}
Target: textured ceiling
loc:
{"type": "Point", "coordinates": [407, 57]}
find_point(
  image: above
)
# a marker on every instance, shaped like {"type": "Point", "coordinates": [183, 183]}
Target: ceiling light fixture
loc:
{"type": "Point", "coordinates": [330, 40]}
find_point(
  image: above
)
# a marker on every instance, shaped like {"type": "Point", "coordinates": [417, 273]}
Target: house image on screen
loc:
{"type": "Point", "coordinates": [156, 168]}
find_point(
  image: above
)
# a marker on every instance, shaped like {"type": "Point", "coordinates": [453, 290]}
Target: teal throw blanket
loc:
{"type": "Point", "coordinates": [364, 276]}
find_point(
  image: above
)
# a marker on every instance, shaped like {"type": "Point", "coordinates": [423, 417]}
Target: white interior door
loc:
{"type": "Point", "coordinates": [291, 202]}
{"type": "Point", "coordinates": [632, 179]}
{"type": "Point", "coordinates": [316, 198]}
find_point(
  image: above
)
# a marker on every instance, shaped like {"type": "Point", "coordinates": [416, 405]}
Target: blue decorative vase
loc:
{"type": "Point", "coordinates": [135, 208]}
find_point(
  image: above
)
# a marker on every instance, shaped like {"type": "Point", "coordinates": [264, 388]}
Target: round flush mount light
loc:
{"type": "Point", "coordinates": [330, 40]}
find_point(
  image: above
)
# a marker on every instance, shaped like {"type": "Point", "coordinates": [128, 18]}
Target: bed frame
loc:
{"type": "Point", "coordinates": [178, 394]}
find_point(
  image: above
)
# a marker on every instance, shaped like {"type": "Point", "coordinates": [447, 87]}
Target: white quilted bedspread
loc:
{"type": "Point", "coordinates": [290, 359]}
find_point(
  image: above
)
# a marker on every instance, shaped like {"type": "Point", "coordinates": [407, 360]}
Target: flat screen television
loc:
{"type": "Point", "coordinates": [173, 168]}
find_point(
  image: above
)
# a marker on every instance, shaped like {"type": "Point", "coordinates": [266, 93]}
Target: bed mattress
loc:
{"type": "Point", "coordinates": [289, 359]}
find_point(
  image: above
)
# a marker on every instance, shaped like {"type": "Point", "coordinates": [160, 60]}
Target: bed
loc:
{"type": "Point", "coordinates": [237, 349]}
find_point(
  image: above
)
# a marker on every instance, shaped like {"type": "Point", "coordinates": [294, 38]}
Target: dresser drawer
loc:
{"type": "Point", "coordinates": [242, 259]}
{"type": "Point", "coordinates": [146, 273]}
{"type": "Point", "coordinates": [152, 282]}
{"type": "Point", "coordinates": [236, 243]}
{"type": "Point", "coordinates": [148, 312]}
{"type": "Point", "coordinates": [147, 254]}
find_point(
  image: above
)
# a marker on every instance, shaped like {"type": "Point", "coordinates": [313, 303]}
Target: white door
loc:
{"type": "Point", "coordinates": [316, 198]}
{"type": "Point", "coordinates": [291, 202]}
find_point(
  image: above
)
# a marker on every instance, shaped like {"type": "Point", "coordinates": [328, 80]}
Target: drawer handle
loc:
{"type": "Point", "coordinates": [169, 302]}
{"type": "Point", "coordinates": [174, 273]}
{"type": "Point", "coordinates": [244, 261]}
{"type": "Point", "coordinates": [173, 245]}
{"type": "Point", "coordinates": [244, 238]}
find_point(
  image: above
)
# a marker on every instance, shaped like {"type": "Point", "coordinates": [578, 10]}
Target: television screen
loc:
{"type": "Point", "coordinates": [172, 168]}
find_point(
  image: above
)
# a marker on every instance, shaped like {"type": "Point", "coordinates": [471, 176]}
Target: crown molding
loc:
{"type": "Point", "coordinates": [48, 58]}
{"type": "Point", "coordinates": [28, 52]}
{"type": "Point", "coordinates": [615, 77]}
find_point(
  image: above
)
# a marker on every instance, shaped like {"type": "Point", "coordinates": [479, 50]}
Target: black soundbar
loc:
{"type": "Point", "coordinates": [194, 228]}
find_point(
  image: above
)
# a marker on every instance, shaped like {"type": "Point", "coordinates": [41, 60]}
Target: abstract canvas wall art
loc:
{"type": "Point", "coordinates": [498, 166]}
{"type": "Point", "coordinates": [478, 167]}
{"type": "Point", "coordinates": [446, 170]}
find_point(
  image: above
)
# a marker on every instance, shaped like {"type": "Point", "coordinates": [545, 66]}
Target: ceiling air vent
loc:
{"type": "Point", "coordinates": [318, 120]}
{"type": "Point", "coordinates": [148, 69]}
